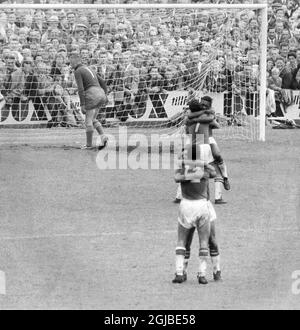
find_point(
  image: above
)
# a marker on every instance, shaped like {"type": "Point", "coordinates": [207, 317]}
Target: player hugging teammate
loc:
{"type": "Point", "coordinates": [196, 210]}
{"type": "Point", "coordinates": [203, 113]}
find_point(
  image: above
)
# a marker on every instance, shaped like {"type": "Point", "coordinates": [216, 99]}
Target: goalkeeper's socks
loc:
{"type": "Point", "coordinates": [89, 138]}
{"type": "Point", "coordinates": [98, 127]}
{"type": "Point", "coordinates": [180, 254]}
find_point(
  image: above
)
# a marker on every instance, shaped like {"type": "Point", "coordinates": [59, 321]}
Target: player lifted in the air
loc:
{"type": "Point", "coordinates": [92, 93]}
{"type": "Point", "coordinates": [202, 113]}
{"type": "Point", "coordinates": [195, 210]}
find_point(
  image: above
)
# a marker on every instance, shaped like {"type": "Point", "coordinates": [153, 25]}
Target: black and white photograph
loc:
{"type": "Point", "coordinates": [150, 157]}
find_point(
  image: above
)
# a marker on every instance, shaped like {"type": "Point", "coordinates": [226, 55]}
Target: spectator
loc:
{"type": "Point", "coordinates": [274, 83]}
{"type": "Point", "coordinates": [295, 85]}
{"type": "Point", "coordinates": [170, 80]}
{"type": "Point", "coordinates": [298, 55]}
{"type": "Point", "coordinates": [292, 61]}
{"type": "Point", "coordinates": [10, 65]}
{"type": "Point", "coordinates": [51, 94]}
{"type": "Point", "coordinates": [216, 81]}
{"type": "Point", "coordinates": [284, 74]}
{"type": "Point", "coordinates": [154, 87]}
{"type": "Point", "coordinates": [186, 48]}
{"type": "Point", "coordinates": [30, 92]}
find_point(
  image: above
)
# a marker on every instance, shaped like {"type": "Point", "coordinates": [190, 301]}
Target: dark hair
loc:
{"type": "Point", "coordinates": [292, 53]}
{"type": "Point", "coordinates": [207, 99]}
{"type": "Point", "coordinates": [194, 105]}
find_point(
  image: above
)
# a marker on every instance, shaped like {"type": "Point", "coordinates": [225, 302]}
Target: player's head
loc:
{"type": "Point", "coordinates": [206, 102]}
{"type": "Point", "coordinates": [195, 105]}
{"type": "Point", "coordinates": [75, 59]}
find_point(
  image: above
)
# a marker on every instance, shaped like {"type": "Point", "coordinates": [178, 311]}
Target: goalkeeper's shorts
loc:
{"type": "Point", "coordinates": [94, 98]}
{"type": "Point", "coordinates": [195, 213]}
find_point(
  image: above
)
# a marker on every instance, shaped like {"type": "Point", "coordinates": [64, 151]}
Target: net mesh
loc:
{"type": "Point", "coordinates": [150, 59]}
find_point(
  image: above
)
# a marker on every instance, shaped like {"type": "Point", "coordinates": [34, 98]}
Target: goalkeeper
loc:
{"type": "Point", "coordinates": [92, 93]}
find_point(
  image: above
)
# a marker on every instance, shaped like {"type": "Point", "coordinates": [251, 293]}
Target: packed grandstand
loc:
{"type": "Point", "coordinates": [142, 53]}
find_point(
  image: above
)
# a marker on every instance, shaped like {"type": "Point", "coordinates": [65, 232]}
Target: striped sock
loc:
{"type": "Point", "coordinates": [216, 264]}
{"type": "Point", "coordinates": [187, 259]}
{"type": "Point", "coordinates": [203, 256]}
{"type": "Point", "coordinates": [180, 253]}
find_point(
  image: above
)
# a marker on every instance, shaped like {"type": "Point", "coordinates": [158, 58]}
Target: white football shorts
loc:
{"type": "Point", "coordinates": [194, 213]}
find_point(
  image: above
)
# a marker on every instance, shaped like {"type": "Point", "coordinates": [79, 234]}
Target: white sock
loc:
{"type": "Point", "coordinates": [202, 266]}
{"type": "Point", "coordinates": [179, 264]}
{"type": "Point", "coordinates": [216, 264]}
{"type": "Point", "coordinates": [179, 194]}
{"type": "Point", "coordinates": [218, 190]}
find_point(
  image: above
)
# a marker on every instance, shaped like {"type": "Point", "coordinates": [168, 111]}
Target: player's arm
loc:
{"type": "Point", "coordinates": [186, 175]}
{"type": "Point", "coordinates": [80, 87]}
{"type": "Point", "coordinates": [102, 84]}
{"type": "Point", "coordinates": [209, 171]}
{"type": "Point", "coordinates": [203, 119]}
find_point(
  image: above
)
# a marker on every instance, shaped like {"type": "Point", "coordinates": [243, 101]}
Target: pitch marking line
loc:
{"type": "Point", "coordinates": [139, 233]}
{"type": "Point", "coordinates": [2, 283]}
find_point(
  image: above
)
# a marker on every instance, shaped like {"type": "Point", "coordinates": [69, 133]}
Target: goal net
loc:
{"type": "Point", "coordinates": [150, 56]}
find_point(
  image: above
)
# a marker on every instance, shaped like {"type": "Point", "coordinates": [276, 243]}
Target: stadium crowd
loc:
{"type": "Point", "coordinates": [141, 54]}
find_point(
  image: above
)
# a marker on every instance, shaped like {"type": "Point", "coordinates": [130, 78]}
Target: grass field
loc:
{"type": "Point", "coordinates": [75, 237]}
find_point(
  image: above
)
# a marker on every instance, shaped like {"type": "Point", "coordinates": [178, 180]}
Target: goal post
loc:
{"type": "Point", "coordinates": [241, 104]}
{"type": "Point", "coordinates": [263, 72]}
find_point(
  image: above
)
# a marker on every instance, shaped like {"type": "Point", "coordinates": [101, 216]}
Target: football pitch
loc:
{"type": "Point", "coordinates": [75, 237]}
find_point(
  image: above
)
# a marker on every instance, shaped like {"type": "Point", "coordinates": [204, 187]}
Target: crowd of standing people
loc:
{"type": "Point", "coordinates": [143, 53]}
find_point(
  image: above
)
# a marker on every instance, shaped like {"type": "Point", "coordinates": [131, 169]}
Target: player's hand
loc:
{"type": "Point", "coordinates": [197, 174]}
{"type": "Point", "coordinates": [83, 110]}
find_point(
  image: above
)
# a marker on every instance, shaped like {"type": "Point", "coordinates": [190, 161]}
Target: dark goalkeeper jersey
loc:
{"type": "Point", "coordinates": [85, 79]}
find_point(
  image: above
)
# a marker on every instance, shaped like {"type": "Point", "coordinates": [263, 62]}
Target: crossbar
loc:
{"type": "Point", "coordinates": [134, 6]}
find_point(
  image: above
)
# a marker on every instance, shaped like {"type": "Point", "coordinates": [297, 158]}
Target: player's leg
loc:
{"type": "Point", "coordinates": [218, 186]}
{"type": "Point", "coordinates": [214, 252]}
{"type": "Point", "coordinates": [183, 233]}
{"type": "Point", "coordinates": [203, 227]}
{"type": "Point", "coordinates": [213, 245]}
{"type": "Point", "coordinates": [219, 162]}
{"type": "Point", "coordinates": [89, 128]}
{"type": "Point", "coordinates": [98, 127]}
{"type": "Point", "coordinates": [178, 195]}
{"type": "Point", "coordinates": [188, 249]}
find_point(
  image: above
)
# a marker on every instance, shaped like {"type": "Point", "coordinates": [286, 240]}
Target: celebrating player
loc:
{"type": "Point", "coordinates": [202, 113]}
{"type": "Point", "coordinates": [92, 92]}
{"type": "Point", "coordinates": [195, 211]}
